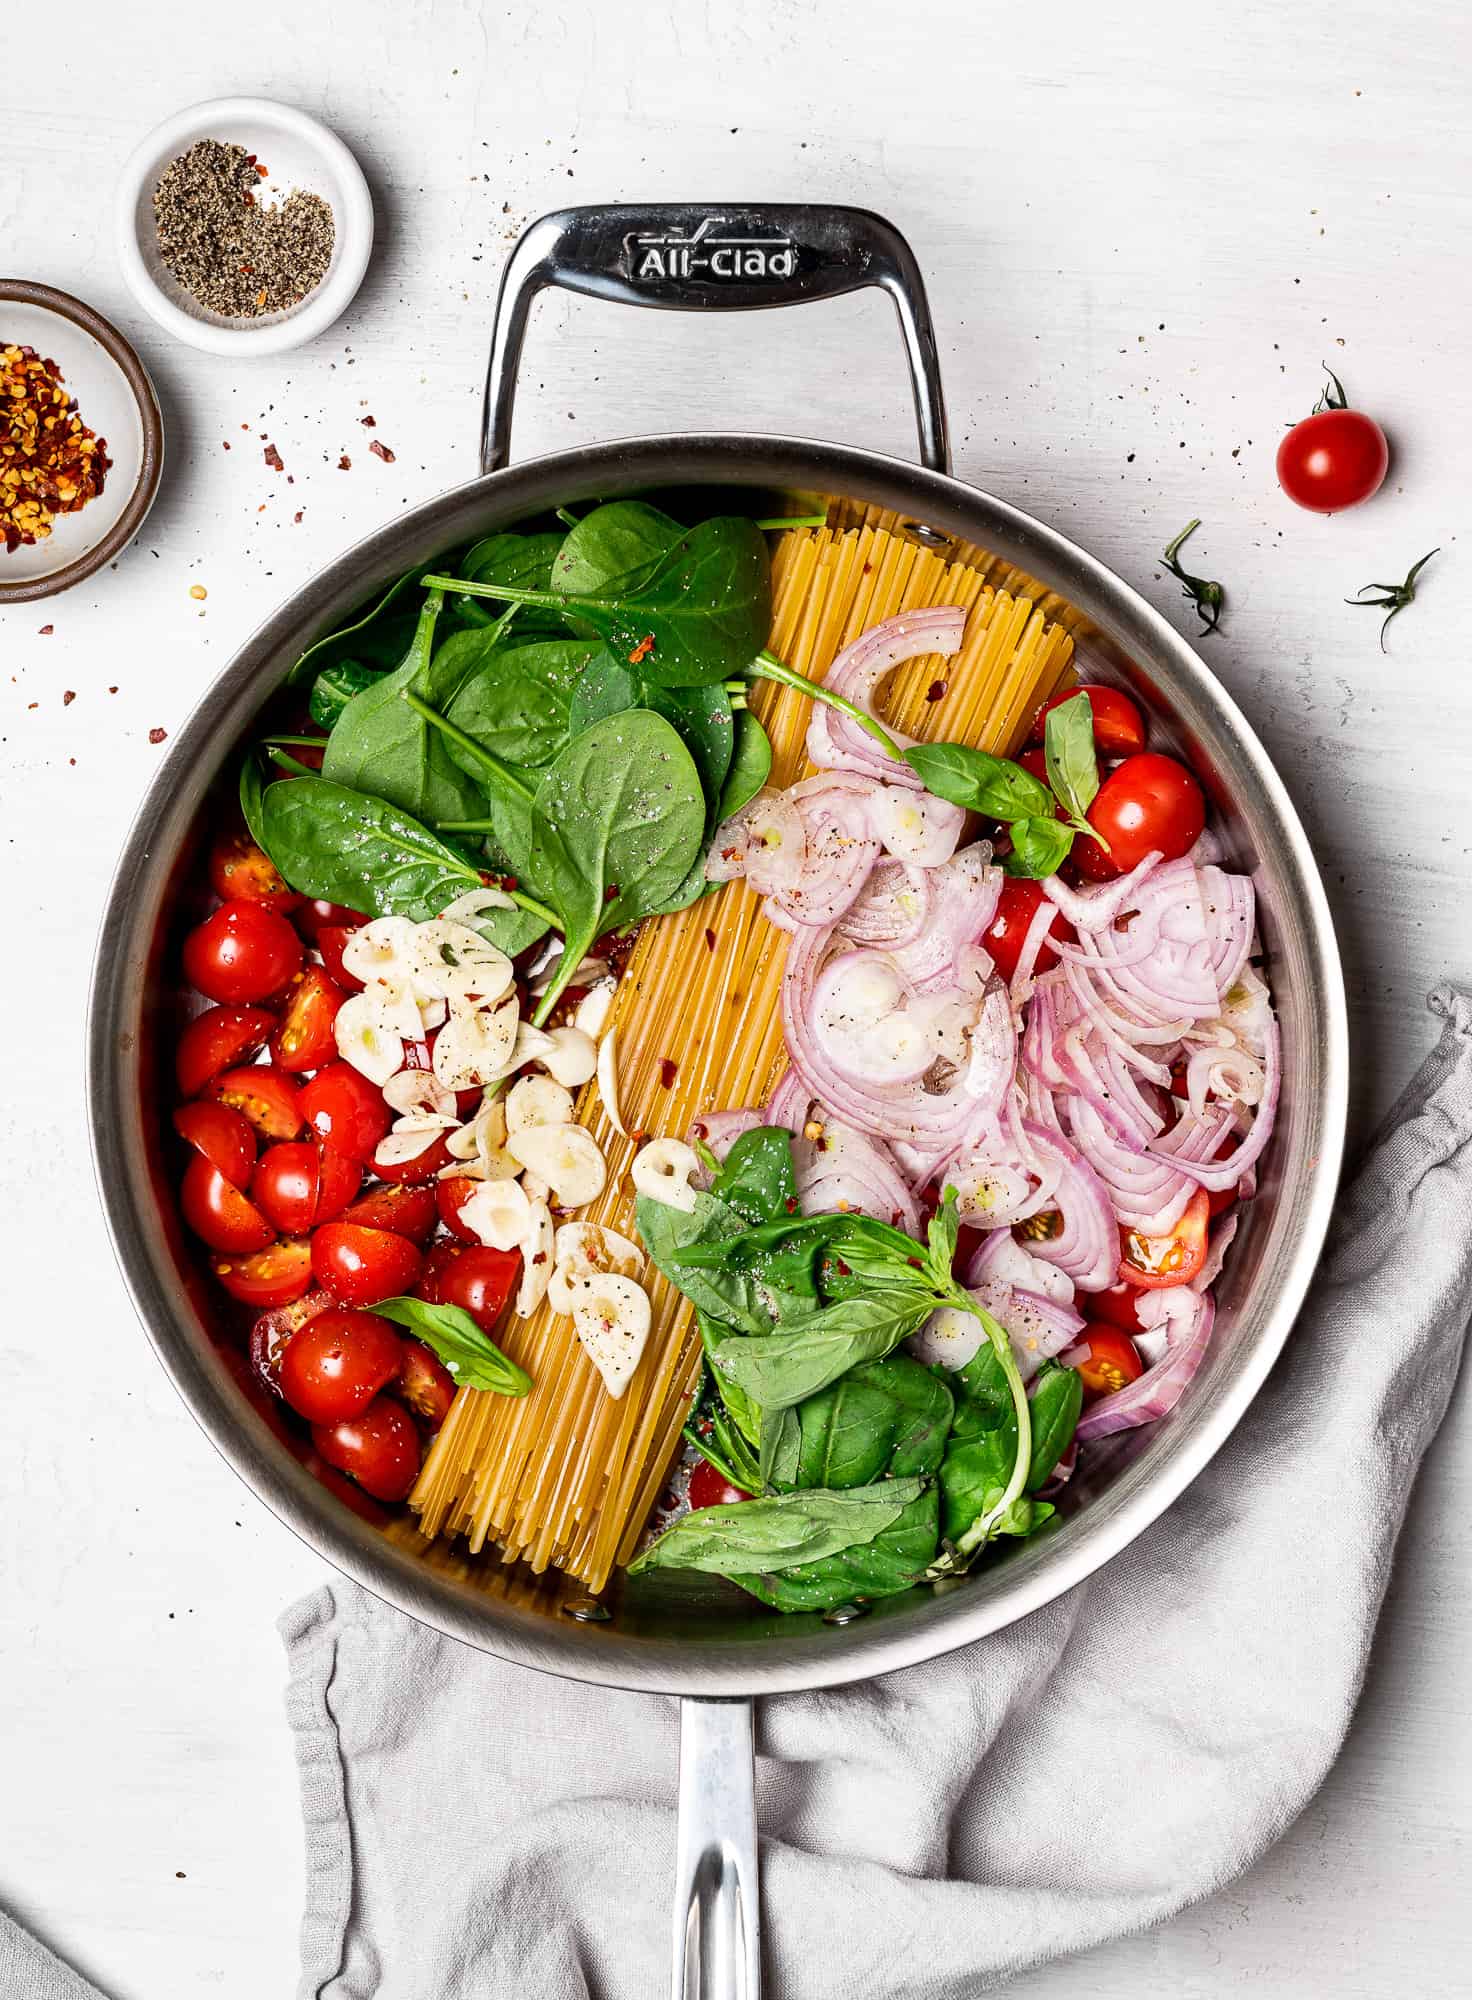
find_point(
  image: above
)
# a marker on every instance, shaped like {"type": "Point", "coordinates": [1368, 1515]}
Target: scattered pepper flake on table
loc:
{"type": "Point", "coordinates": [50, 461]}
{"type": "Point", "coordinates": [382, 451]}
{"type": "Point", "coordinates": [198, 590]}
{"type": "Point", "coordinates": [157, 735]}
{"type": "Point", "coordinates": [273, 458]}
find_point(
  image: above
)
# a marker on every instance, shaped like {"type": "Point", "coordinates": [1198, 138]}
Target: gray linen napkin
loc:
{"type": "Point", "coordinates": [474, 1829]}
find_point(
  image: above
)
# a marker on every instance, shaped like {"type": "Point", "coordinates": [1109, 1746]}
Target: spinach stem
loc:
{"type": "Point", "coordinates": [567, 517]}
{"type": "Point", "coordinates": [287, 762]}
{"type": "Point", "coordinates": [767, 667]}
{"type": "Point", "coordinates": [792, 521]}
{"type": "Point", "coordinates": [514, 593]}
{"type": "Point", "coordinates": [486, 758]}
{"type": "Point", "coordinates": [572, 958]}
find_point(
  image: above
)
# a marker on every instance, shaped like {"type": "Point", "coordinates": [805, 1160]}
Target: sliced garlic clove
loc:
{"type": "Point", "coordinates": [498, 1214]}
{"type": "Point", "coordinates": [419, 1090]}
{"type": "Point", "coordinates": [392, 1010]}
{"type": "Point", "coordinates": [585, 1250]}
{"type": "Point", "coordinates": [409, 1138]}
{"type": "Point", "coordinates": [363, 1043]}
{"type": "Point", "coordinates": [433, 1014]}
{"type": "Point", "coordinates": [536, 1259]}
{"type": "Point", "coordinates": [572, 1058]}
{"type": "Point", "coordinates": [488, 1126]}
{"type": "Point", "coordinates": [475, 1045]}
{"type": "Point", "coordinates": [453, 962]}
{"type": "Point", "coordinates": [592, 1011]}
{"type": "Point", "coordinates": [664, 1170]}
{"type": "Point", "coordinates": [608, 1081]}
{"type": "Point", "coordinates": [566, 1157]}
{"type": "Point", "coordinates": [475, 904]}
{"type": "Point", "coordinates": [381, 949]}
{"type": "Point", "coordinates": [612, 1316]}
{"type": "Point", "coordinates": [537, 1189]}
{"type": "Point", "coordinates": [537, 1100]}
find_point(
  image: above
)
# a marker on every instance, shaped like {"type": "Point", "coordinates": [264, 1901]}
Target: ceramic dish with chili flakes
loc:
{"type": "Point", "coordinates": [81, 441]}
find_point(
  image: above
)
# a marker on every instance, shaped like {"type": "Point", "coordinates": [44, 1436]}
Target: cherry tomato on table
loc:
{"type": "Point", "coordinates": [337, 1363]}
{"type": "Point", "coordinates": [275, 1276]}
{"type": "Point", "coordinates": [241, 952]}
{"type": "Point", "coordinates": [1119, 727]}
{"type": "Point", "coordinates": [217, 1039]}
{"type": "Point", "coordinates": [267, 1098]}
{"type": "Point", "coordinates": [1016, 907]}
{"type": "Point", "coordinates": [1111, 1361]}
{"type": "Point", "coordinates": [1151, 1263]}
{"type": "Point", "coordinates": [304, 1039]}
{"type": "Point", "coordinates": [222, 1136]}
{"type": "Point", "coordinates": [477, 1279]}
{"type": "Point", "coordinates": [1148, 801]}
{"type": "Point", "coordinates": [425, 1385]}
{"type": "Point", "coordinates": [379, 1448]}
{"type": "Point", "coordinates": [345, 1110]}
{"type": "Point", "coordinates": [1332, 460]}
{"type": "Point", "coordinates": [241, 871]}
{"type": "Point", "coordinates": [709, 1488]}
{"type": "Point", "coordinates": [360, 1266]}
{"type": "Point", "coordinates": [219, 1212]}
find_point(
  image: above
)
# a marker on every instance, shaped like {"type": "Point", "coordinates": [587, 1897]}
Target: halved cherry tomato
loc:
{"type": "Point", "coordinates": [268, 1098]}
{"type": "Point", "coordinates": [273, 1329]}
{"type": "Point", "coordinates": [360, 1266]}
{"type": "Point", "coordinates": [709, 1488]}
{"type": "Point", "coordinates": [477, 1279]}
{"type": "Point", "coordinates": [341, 1177]}
{"type": "Point", "coordinates": [241, 952]}
{"type": "Point", "coordinates": [345, 1110]}
{"type": "Point", "coordinates": [241, 871]}
{"type": "Point", "coordinates": [1332, 460]}
{"type": "Point", "coordinates": [285, 1184]}
{"type": "Point", "coordinates": [1146, 802]}
{"type": "Point", "coordinates": [420, 1169]}
{"type": "Point", "coordinates": [1111, 1361]}
{"type": "Point", "coordinates": [275, 1276]}
{"type": "Point", "coordinates": [315, 913]}
{"type": "Point", "coordinates": [304, 1039]}
{"type": "Point", "coordinates": [1154, 1262]}
{"type": "Point", "coordinates": [1016, 907]}
{"type": "Point", "coordinates": [222, 1136]}
{"type": "Point", "coordinates": [410, 1211]}
{"type": "Point", "coordinates": [1119, 727]}
{"type": "Point", "coordinates": [218, 1212]}
{"type": "Point", "coordinates": [426, 1385]}
{"type": "Point", "coordinates": [379, 1448]}
{"type": "Point", "coordinates": [1120, 1305]}
{"type": "Point", "coordinates": [331, 941]}
{"type": "Point", "coordinates": [337, 1363]}
{"type": "Point", "coordinates": [215, 1040]}
{"type": "Point", "coordinates": [452, 1195]}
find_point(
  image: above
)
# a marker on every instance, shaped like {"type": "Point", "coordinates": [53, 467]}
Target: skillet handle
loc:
{"type": "Point", "coordinates": [717, 1940]}
{"type": "Point", "coordinates": [712, 257]}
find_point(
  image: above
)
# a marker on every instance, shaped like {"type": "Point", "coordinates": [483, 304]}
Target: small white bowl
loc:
{"type": "Point", "coordinates": [300, 153]}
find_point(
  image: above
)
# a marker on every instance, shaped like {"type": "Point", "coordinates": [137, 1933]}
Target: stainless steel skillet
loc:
{"type": "Point", "coordinates": [683, 1635]}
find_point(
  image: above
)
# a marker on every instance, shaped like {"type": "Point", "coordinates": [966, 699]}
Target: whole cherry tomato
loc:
{"type": "Point", "coordinates": [451, 1196]}
{"type": "Point", "coordinates": [1146, 802]}
{"type": "Point", "coordinates": [345, 1110]}
{"type": "Point", "coordinates": [268, 1098]}
{"type": "Point", "coordinates": [360, 1266]}
{"type": "Point", "coordinates": [709, 1488]}
{"type": "Point", "coordinates": [337, 1363]}
{"type": "Point", "coordinates": [304, 1039]}
{"type": "Point", "coordinates": [239, 870]}
{"type": "Point", "coordinates": [1016, 907]}
{"type": "Point", "coordinates": [217, 1039]}
{"type": "Point", "coordinates": [379, 1448]}
{"type": "Point", "coordinates": [410, 1211]}
{"type": "Point", "coordinates": [1119, 727]}
{"type": "Point", "coordinates": [1111, 1361]}
{"type": "Point", "coordinates": [332, 940]}
{"type": "Point", "coordinates": [241, 952]}
{"type": "Point", "coordinates": [315, 913]}
{"type": "Point", "coordinates": [222, 1136]}
{"type": "Point", "coordinates": [1333, 459]}
{"type": "Point", "coordinates": [425, 1385]}
{"type": "Point", "coordinates": [273, 1277]}
{"type": "Point", "coordinates": [477, 1279]}
{"type": "Point", "coordinates": [1120, 1305]}
{"type": "Point", "coordinates": [218, 1212]}
{"type": "Point", "coordinates": [1154, 1262]}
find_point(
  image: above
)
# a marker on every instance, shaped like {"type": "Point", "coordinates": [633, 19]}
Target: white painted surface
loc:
{"type": "Point", "coordinates": [1143, 230]}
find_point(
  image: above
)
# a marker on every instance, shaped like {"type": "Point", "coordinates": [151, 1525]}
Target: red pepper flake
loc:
{"type": "Point", "coordinates": [262, 171]}
{"type": "Point", "coordinates": [381, 450]}
{"type": "Point", "coordinates": [368, 423]}
{"type": "Point", "coordinates": [157, 735]}
{"type": "Point", "coordinates": [45, 631]}
{"type": "Point", "coordinates": [843, 1269]}
{"type": "Point", "coordinates": [936, 690]}
{"type": "Point", "coordinates": [273, 458]}
{"type": "Point", "coordinates": [669, 1069]}
{"type": "Point", "coordinates": [710, 939]}
{"type": "Point", "coordinates": [790, 1204]}
{"type": "Point", "coordinates": [296, 517]}
{"type": "Point", "coordinates": [113, 689]}
{"type": "Point", "coordinates": [642, 651]}
{"type": "Point", "coordinates": [344, 464]}
{"type": "Point", "coordinates": [610, 894]}
{"type": "Point", "coordinates": [226, 443]}
{"type": "Point", "coordinates": [68, 696]}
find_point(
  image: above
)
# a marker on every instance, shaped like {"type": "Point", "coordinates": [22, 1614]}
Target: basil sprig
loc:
{"type": "Point", "coordinates": [471, 1356]}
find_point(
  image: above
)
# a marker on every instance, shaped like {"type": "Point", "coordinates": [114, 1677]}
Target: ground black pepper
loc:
{"type": "Point", "coordinates": [231, 255]}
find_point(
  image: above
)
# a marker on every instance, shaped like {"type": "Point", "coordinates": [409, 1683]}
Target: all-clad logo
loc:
{"type": "Point", "coordinates": [712, 250]}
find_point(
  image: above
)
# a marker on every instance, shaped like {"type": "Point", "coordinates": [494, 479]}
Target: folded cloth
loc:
{"type": "Point", "coordinates": [28, 1971]}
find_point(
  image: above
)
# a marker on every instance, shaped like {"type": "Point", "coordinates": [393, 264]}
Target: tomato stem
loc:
{"type": "Point", "coordinates": [1207, 595]}
{"type": "Point", "coordinates": [1394, 595]}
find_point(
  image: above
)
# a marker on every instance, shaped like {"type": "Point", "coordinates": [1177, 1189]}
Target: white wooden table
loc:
{"type": "Point", "coordinates": [1143, 230]}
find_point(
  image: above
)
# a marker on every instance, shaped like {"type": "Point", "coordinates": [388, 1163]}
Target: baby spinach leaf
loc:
{"type": "Point", "coordinates": [771, 1534]}
{"type": "Point", "coordinates": [1038, 847]}
{"type": "Point", "coordinates": [471, 1356]}
{"type": "Point", "coordinates": [377, 636]}
{"type": "Point", "coordinates": [702, 716]}
{"type": "Point", "coordinates": [894, 1560]}
{"type": "Point", "coordinates": [524, 560]}
{"type": "Point", "coordinates": [619, 536]}
{"type": "Point", "coordinates": [786, 1367]}
{"type": "Point", "coordinates": [349, 847]}
{"type": "Point", "coordinates": [751, 766]}
{"type": "Point", "coordinates": [252, 791]}
{"type": "Point", "coordinates": [516, 700]}
{"type": "Point", "coordinates": [383, 744]}
{"type": "Point", "coordinates": [975, 779]}
{"type": "Point", "coordinates": [1068, 749]}
{"type": "Point", "coordinates": [335, 687]}
{"type": "Point", "coordinates": [757, 1178]}
{"type": "Point", "coordinates": [891, 1416]}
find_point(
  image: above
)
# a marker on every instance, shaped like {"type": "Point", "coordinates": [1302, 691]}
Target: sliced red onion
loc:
{"type": "Point", "coordinates": [719, 1130]}
{"type": "Point", "coordinates": [964, 896]}
{"type": "Point", "coordinates": [789, 1102]}
{"type": "Point", "coordinates": [1086, 1246]}
{"type": "Point", "coordinates": [915, 826]}
{"type": "Point", "coordinates": [1216, 1253]}
{"type": "Point", "coordinates": [1043, 919]}
{"type": "Point", "coordinates": [1039, 1327]}
{"type": "Point", "coordinates": [1230, 1075]}
{"type": "Point", "coordinates": [993, 1054]}
{"type": "Point", "coordinates": [1161, 1387]}
{"type": "Point", "coordinates": [840, 849]}
{"type": "Point", "coordinates": [1191, 1145]}
{"type": "Point", "coordinates": [766, 842]}
{"type": "Point", "coordinates": [1148, 1193]}
{"type": "Point", "coordinates": [849, 1169]}
{"type": "Point", "coordinates": [837, 744]}
{"type": "Point", "coordinates": [891, 909]}
{"type": "Point", "coordinates": [1002, 1257]}
{"type": "Point", "coordinates": [1092, 909]}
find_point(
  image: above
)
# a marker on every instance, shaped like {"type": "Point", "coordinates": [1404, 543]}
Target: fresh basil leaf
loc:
{"type": "Point", "coordinates": [942, 1234]}
{"type": "Point", "coordinates": [335, 687]}
{"type": "Point", "coordinates": [771, 1534]}
{"type": "Point", "coordinates": [743, 1413]}
{"type": "Point", "coordinates": [975, 779]}
{"type": "Point", "coordinates": [619, 536]}
{"type": "Point", "coordinates": [983, 1444]}
{"type": "Point", "coordinates": [515, 700]}
{"type": "Point", "coordinates": [891, 1416]}
{"type": "Point", "coordinates": [1039, 846]}
{"type": "Point", "coordinates": [729, 1296]}
{"type": "Point", "coordinates": [893, 1561]}
{"type": "Point", "coordinates": [781, 1448]}
{"type": "Point", "coordinates": [751, 766]}
{"type": "Point", "coordinates": [757, 1177]}
{"type": "Point", "coordinates": [1057, 1400]}
{"type": "Point", "coordinates": [1068, 748]}
{"type": "Point", "coordinates": [471, 1356]}
{"type": "Point", "coordinates": [784, 1368]}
